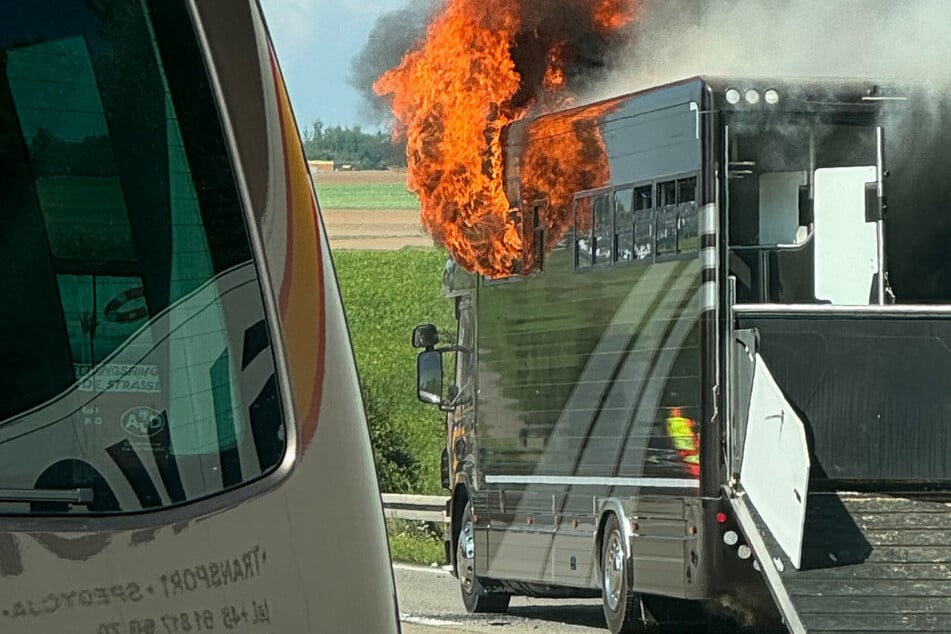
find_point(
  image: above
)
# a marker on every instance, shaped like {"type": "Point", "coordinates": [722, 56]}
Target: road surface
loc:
{"type": "Point", "coordinates": [430, 603]}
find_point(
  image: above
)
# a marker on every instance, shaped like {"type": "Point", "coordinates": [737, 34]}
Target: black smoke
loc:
{"type": "Point", "coordinates": [568, 24]}
{"type": "Point", "coordinates": [394, 35]}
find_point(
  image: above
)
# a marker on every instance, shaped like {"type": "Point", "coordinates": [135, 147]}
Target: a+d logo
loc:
{"type": "Point", "coordinates": [143, 421]}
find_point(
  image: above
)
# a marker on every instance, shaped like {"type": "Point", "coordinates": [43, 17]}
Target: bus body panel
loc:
{"type": "Point", "coordinates": [589, 376]}
{"type": "Point", "coordinates": [611, 373]}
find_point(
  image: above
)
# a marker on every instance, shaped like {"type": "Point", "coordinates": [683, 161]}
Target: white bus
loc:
{"type": "Point", "coordinates": [183, 446]}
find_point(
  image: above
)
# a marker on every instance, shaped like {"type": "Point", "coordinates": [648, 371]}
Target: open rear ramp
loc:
{"type": "Point", "coordinates": [834, 402]}
{"type": "Point", "coordinates": [870, 563]}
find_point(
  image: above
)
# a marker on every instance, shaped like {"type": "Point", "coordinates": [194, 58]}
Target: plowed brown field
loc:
{"type": "Point", "coordinates": [371, 228]}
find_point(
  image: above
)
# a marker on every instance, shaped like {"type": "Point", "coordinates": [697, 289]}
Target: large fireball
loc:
{"type": "Point", "coordinates": [482, 65]}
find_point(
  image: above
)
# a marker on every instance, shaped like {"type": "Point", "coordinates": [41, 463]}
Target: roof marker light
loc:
{"type": "Point", "coordinates": [752, 97]}
{"type": "Point", "coordinates": [732, 96]}
{"type": "Point", "coordinates": [771, 97]}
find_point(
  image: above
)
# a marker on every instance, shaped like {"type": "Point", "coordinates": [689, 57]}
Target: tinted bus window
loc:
{"type": "Point", "coordinates": [623, 226]}
{"type": "Point", "coordinates": [584, 247]}
{"type": "Point", "coordinates": [603, 229]}
{"type": "Point", "coordinates": [644, 222]}
{"type": "Point", "coordinates": [688, 229]}
{"type": "Point", "coordinates": [137, 355]}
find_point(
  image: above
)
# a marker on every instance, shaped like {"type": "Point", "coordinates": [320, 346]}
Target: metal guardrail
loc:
{"type": "Point", "coordinates": [424, 508]}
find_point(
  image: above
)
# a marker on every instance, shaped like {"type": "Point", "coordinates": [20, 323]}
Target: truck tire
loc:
{"type": "Point", "coordinates": [622, 607]}
{"type": "Point", "coordinates": [475, 595]}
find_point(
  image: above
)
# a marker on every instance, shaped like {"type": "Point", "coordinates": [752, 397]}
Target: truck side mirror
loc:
{"type": "Point", "coordinates": [425, 336]}
{"type": "Point", "coordinates": [429, 376]}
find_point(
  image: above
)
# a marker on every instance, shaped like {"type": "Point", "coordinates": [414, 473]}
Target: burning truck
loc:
{"type": "Point", "coordinates": [702, 344]}
{"type": "Point", "coordinates": [719, 382]}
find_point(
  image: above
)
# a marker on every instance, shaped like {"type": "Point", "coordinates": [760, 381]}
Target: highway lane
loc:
{"type": "Point", "coordinates": [429, 603]}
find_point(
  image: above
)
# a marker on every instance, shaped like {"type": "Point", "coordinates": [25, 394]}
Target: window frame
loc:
{"type": "Point", "coordinates": [276, 473]}
{"type": "Point", "coordinates": [652, 214]}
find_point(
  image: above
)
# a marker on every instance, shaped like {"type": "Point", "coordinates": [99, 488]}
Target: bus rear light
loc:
{"type": "Point", "coordinates": [752, 97]}
{"type": "Point", "coordinates": [721, 518]}
{"type": "Point", "coordinates": [732, 96]}
{"type": "Point", "coordinates": [744, 552]}
{"type": "Point", "coordinates": [771, 97]}
{"type": "Point", "coordinates": [730, 538]}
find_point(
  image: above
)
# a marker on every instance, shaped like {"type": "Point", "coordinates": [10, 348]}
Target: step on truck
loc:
{"type": "Point", "coordinates": [715, 385]}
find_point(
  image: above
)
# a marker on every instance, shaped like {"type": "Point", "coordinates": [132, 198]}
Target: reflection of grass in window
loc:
{"type": "Point", "coordinates": [85, 217]}
{"type": "Point", "coordinates": [689, 245]}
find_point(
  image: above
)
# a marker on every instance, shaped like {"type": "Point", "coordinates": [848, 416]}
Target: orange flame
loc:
{"type": "Point", "coordinates": [611, 15]}
{"type": "Point", "coordinates": [452, 97]}
{"type": "Point", "coordinates": [566, 155]}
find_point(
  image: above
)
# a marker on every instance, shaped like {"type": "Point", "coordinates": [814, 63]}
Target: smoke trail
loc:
{"type": "Point", "coordinates": [817, 38]}
{"type": "Point", "coordinates": [568, 22]}
{"type": "Point", "coordinates": [393, 35]}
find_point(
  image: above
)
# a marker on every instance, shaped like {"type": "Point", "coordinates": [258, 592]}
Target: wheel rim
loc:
{"type": "Point", "coordinates": [613, 572]}
{"type": "Point", "coordinates": [465, 556]}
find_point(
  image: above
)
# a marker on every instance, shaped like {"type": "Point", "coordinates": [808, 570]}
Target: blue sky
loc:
{"type": "Point", "coordinates": [315, 41]}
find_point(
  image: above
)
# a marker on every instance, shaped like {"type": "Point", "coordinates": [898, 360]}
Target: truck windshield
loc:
{"type": "Point", "coordinates": [135, 350]}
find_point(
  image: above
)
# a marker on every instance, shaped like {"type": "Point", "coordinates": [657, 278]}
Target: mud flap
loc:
{"type": "Point", "coordinates": [775, 468]}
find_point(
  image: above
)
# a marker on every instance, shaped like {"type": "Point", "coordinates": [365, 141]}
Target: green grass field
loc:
{"type": "Point", "coordinates": [386, 294]}
{"type": "Point", "coordinates": [365, 196]}
{"type": "Point", "coordinates": [416, 542]}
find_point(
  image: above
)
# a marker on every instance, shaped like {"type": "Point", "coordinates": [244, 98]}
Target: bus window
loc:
{"type": "Point", "coordinates": [688, 229]}
{"type": "Point", "coordinates": [686, 190]}
{"type": "Point", "coordinates": [623, 225]}
{"type": "Point", "coordinates": [603, 229]}
{"type": "Point", "coordinates": [667, 193]}
{"type": "Point", "coordinates": [644, 222]}
{"type": "Point", "coordinates": [584, 241]}
{"type": "Point", "coordinates": [138, 358]}
{"type": "Point", "coordinates": [667, 219]}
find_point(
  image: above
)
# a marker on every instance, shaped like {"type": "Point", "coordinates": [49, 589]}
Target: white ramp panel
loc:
{"type": "Point", "coordinates": [775, 469]}
{"type": "Point", "coordinates": [846, 245]}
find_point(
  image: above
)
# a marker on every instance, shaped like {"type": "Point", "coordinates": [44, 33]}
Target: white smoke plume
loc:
{"type": "Point", "coordinates": [908, 40]}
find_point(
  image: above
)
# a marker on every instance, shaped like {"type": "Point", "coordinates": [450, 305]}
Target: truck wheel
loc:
{"type": "Point", "coordinates": [475, 595]}
{"type": "Point", "coordinates": [622, 608]}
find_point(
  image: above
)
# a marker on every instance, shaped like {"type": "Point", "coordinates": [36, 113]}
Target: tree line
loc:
{"type": "Point", "coordinates": [352, 146]}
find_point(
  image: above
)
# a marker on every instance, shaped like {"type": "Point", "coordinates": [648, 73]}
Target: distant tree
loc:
{"type": "Point", "coordinates": [353, 146]}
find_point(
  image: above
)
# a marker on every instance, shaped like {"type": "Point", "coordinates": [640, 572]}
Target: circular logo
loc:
{"type": "Point", "coordinates": [143, 421]}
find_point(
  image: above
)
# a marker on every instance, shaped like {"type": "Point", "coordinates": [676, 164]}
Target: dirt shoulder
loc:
{"type": "Point", "coordinates": [388, 229]}
{"type": "Point", "coordinates": [375, 229]}
{"type": "Point", "coordinates": [363, 177]}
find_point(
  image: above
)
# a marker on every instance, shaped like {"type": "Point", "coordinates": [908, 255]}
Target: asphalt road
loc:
{"type": "Point", "coordinates": [429, 603]}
